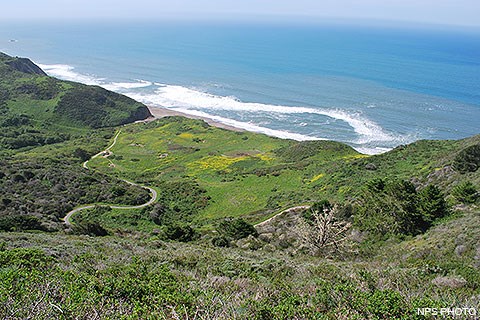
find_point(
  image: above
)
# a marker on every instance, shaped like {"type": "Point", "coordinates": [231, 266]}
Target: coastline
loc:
{"type": "Point", "coordinates": [159, 112]}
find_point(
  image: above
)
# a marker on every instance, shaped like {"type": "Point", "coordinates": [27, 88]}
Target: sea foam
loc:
{"type": "Point", "coordinates": [170, 96]}
{"type": "Point", "coordinates": [250, 127]}
{"type": "Point", "coordinates": [66, 72]}
{"type": "Point", "coordinates": [121, 86]}
{"type": "Point", "coordinates": [198, 103]}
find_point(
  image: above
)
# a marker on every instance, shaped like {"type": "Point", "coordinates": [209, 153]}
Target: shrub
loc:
{"type": "Point", "coordinates": [24, 257]}
{"type": "Point", "coordinates": [180, 232]}
{"type": "Point", "coordinates": [324, 233]}
{"type": "Point", "coordinates": [467, 160]}
{"type": "Point", "coordinates": [220, 241]}
{"type": "Point", "coordinates": [465, 192]}
{"type": "Point", "coordinates": [388, 208]}
{"type": "Point", "coordinates": [92, 228]}
{"type": "Point", "coordinates": [320, 206]}
{"type": "Point", "coordinates": [395, 207]}
{"type": "Point", "coordinates": [432, 204]}
{"type": "Point", "coordinates": [20, 222]}
{"type": "Point", "coordinates": [88, 223]}
{"type": "Point", "coordinates": [81, 154]}
{"type": "Point", "coordinates": [178, 201]}
{"type": "Point", "coordinates": [158, 213]}
{"type": "Point", "coordinates": [236, 229]}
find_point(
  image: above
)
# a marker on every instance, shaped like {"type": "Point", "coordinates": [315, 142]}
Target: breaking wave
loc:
{"type": "Point", "coordinates": [199, 103]}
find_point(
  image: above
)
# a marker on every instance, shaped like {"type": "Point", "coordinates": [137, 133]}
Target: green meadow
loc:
{"type": "Point", "coordinates": [254, 176]}
{"type": "Point", "coordinates": [243, 174]}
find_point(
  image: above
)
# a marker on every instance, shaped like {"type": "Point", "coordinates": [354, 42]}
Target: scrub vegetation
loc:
{"type": "Point", "coordinates": [245, 226]}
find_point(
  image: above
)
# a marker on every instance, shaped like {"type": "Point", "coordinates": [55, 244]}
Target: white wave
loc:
{"type": "Point", "coordinates": [170, 96]}
{"type": "Point", "coordinates": [274, 133]}
{"type": "Point", "coordinates": [118, 86]}
{"type": "Point", "coordinates": [371, 150]}
{"type": "Point", "coordinates": [189, 101]}
{"type": "Point", "coordinates": [65, 72]}
{"type": "Point", "coordinates": [249, 126]}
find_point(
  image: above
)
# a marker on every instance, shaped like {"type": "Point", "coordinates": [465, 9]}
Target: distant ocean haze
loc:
{"type": "Point", "coordinates": [371, 88]}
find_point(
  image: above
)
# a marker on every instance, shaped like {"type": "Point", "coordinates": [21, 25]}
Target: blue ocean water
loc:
{"type": "Point", "coordinates": [371, 87]}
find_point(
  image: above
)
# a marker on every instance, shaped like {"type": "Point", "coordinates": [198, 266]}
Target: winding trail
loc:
{"type": "Point", "coordinates": [104, 151]}
{"type": "Point", "coordinates": [68, 216]}
{"type": "Point", "coordinates": [154, 194]}
{"type": "Point", "coordinates": [280, 213]}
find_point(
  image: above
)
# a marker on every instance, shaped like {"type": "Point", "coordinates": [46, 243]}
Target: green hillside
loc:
{"type": "Point", "coordinates": [47, 130]}
{"type": "Point", "coordinates": [38, 110]}
{"type": "Point", "coordinates": [230, 234]}
{"type": "Point", "coordinates": [241, 174]}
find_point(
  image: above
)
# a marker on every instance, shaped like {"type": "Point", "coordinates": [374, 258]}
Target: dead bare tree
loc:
{"type": "Point", "coordinates": [324, 234]}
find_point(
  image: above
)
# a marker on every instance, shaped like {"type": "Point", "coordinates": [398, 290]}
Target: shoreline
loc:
{"type": "Point", "coordinates": [159, 112]}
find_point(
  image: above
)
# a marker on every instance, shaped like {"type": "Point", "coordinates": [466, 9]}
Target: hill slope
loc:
{"type": "Point", "coordinates": [254, 176]}
{"type": "Point", "coordinates": [36, 109]}
{"type": "Point", "coordinates": [46, 131]}
{"type": "Point", "coordinates": [412, 216]}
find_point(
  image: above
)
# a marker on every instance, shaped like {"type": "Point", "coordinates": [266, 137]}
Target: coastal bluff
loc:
{"type": "Point", "coordinates": [24, 65]}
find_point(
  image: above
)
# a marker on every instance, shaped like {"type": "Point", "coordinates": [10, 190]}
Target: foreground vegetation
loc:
{"type": "Point", "coordinates": [138, 276]}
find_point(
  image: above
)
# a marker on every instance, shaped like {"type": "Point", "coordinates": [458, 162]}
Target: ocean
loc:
{"type": "Point", "coordinates": [373, 88]}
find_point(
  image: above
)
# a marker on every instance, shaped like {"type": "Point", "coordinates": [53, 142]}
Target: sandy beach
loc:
{"type": "Point", "coordinates": [158, 112]}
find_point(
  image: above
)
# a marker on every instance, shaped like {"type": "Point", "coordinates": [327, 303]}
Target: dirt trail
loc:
{"type": "Point", "coordinates": [154, 194]}
{"type": "Point", "coordinates": [286, 210]}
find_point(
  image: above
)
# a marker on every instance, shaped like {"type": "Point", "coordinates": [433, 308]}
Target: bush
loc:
{"type": "Point", "coordinates": [81, 154]}
{"type": "Point", "coordinates": [88, 223]}
{"type": "Point", "coordinates": [236, 229]}
{"type": "Point", "coordinates": [90, 228]}
{"type": "Point", "coordinates": [24, 257]}
{"type": "Point", "coordinates": [20, 222]}
{"type": "Point", "coordinates": [324, 233]}
{"type": "Point", "coordinates": [467, 160]}
{"type": "Point", "coordinates": [320, 206]}
{"type": "Point", "coordinates": [395, 207]}
{"type": "Point", "coordinates": [179, 232]}
{"type": "Point", "coordinates": [158, 213]}
{"type": "Point", "coordinates": [178, 201]}
{"type": "Point", "coordinates": [220, 241]}
{"type": "Point", "coordinates": [465, 192]}
{"type": "Point", "coordinates": [388, 208]}
{"type": "Point", "coordinates": [432, 204]}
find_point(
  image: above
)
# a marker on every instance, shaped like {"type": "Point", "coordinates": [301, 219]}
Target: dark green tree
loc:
{"type": "Point", "coordinates": [468, 160]}
{"type": "Point", "coordinates": [465, 192]}
{"type": "Point", "coordinates": [236, 229]}
{"type": "Point", "coordinates": [432, 205]}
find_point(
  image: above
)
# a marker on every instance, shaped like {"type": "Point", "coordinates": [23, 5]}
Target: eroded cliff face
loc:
{"type": "Point", "coordinates": [141, 113]}
{"type": "Point", "coordinates": [26, 66]}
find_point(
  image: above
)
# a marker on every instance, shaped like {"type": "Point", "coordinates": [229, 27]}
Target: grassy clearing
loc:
{"type": "Point", "coordinates": [241, 172]}
{"type": "Point", "coordinates": [252, 175]}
